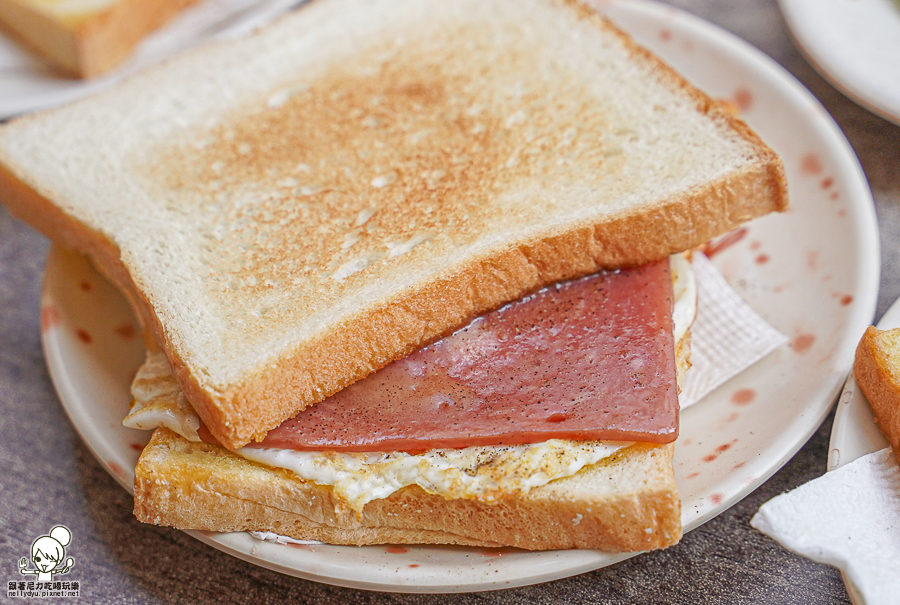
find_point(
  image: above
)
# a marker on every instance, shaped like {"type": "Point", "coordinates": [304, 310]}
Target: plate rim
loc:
{"type": "Point", "coordinates": [849, 86]}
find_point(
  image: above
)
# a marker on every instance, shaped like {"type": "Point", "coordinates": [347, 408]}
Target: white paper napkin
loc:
{"type": "Point", "coordinates": [727, 337]}
{"type": "Point", "coordinates": [848, 518]}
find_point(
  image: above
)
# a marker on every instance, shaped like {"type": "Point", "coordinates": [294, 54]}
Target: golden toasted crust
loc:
{"type": "Point", "coordinates": [877, 372]}
{"type": "Point", "coordinates": [92, 43]}
{"type": "Point", "coordinates": [628, 502]}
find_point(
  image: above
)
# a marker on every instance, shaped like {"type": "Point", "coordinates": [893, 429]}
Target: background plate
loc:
{"type": "Point", "coordinates": [811, 272]}
{"type": "Point", "coordinates": [855, 44]}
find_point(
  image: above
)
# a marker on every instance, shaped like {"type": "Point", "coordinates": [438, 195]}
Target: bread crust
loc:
{"type": "Point", "coordinates": [305, 373]}
{"type": "Point", "coordinates": [877, 372]}
{"type": "Point", "coordinates": [628, 502]}
{"type": "Point", "coordinates": [88, 45]}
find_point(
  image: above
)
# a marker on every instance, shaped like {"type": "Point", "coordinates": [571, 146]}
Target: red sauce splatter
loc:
{"type": "Point", "coordinates": [84, 336]}
{"type": "Point", "coordinates": [726, 446]}
{"type": "Point", "coordinates": [396, 550]}
{"type": "Point", "coordinates": [743, 98]}
{"type": "Point", "coordinates": [755, 245]}
{"type": "Point", "coordinates": [803, 342]}
{"type": "Point", "coordinates": [692, 475]}
{"type": "Point", "coordinates": [50, 317]}
{"type": "Point", "coordinates": [118, 471]}
{"type": "Point", "coordinates": [710, 458]}
{"type": "Point", "coordinates": [726, 241]}
{"type": "Point", "coordinates": [732, 417]}
{"type": "Point", "coordinates": [762, 259]}
{"type": "Point", "coordinates": [665, 35]}
{"type": "Point", "coordinates": [827, 182]}
{"type": "Point", "coordinates": [834, 195]}
{"type": "Point", "coordinates": [137, 447]}
{"type": "Point", "coordinates": [842, 212]}
{"type": "Point", "coordinates": [812, 260]}
{"type": "Point", "coordinates": [846, 299]}
{"type": "Point", "coordinates": [738, 465]}
{"type": "Point", "coordinates": [810, 164]}
{"type": "Point", "coordinates": [126, 331]}
{"type": "Point", "coordinates": [743, 396]}
{"type": "Point", "coordinates": [716, 498]}
{"type": "Point", "coordinates": [778, 289]}
{"type": "Point", "coordinates": [413, 565]}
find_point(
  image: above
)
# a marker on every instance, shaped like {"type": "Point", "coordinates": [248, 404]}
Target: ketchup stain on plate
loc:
{"type": "Point", "coordinates": [810, 164]}
{"type": "Point", "coordinates": [743, 396]}
{"type": "Point", "coordinates": [743, 98]}
{"type": "Point", "coordinates": [762, 259]}
{"type": "Point", "coordinates": [396, 550]}
{"type": "Point", "coordinates": [84, 336]}
{"type": "Point", "coordinates": [126, 331]}
{"type": "Point", "coordinates": [118, 471]}
{"type": "Point", "coordinates": [802, 343]}
{"type": "Point", "coordinates": [827, 182]}
{"type": "Point", "coordinates": [716, 498]}
{"type": "Point", "coordinates": [50, 317]}
{"type": "Point", "coordinates": [846, 299]}
{"type": "Point", "coordinates": [719, 451]}
{"type": "Point", "coordinates": [665, 35]}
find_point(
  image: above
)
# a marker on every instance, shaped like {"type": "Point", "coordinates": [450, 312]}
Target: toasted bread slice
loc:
{"type": "Point", "coordinates": [86, 38]}
{"type": "Point", "coordinates": [627, 502]}
{"type": "Point", "coordinates": [877, 372]}
{"type": "Point", "coordinates": [291, 211]}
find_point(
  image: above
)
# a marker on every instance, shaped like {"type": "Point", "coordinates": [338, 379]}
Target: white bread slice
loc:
{"type": "Point", "coordinates": [877, 372]}
{"type": "Point", "coordinates": [627, 502]}
{"type": "Point", "coordinates": [86, 38]}
{"type": "Point", "coordinates": [292, 211]}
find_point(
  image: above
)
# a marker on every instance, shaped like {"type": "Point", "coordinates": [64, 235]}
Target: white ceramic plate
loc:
{"type": "Point", "coordinates": [855, 44]}
{"type": "Point", "coordinates": [27, 82]}
{"type": "Point", "coordinates": [854, 433]}
{"type": "Point", "coordinates": [812, 273]}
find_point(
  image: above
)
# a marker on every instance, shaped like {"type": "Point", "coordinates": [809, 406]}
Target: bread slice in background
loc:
{"type": "Point", "coordinates": [628, 502]}
{"type": "Point", "coordinates": [291, 211]}
{"type": "Point", "coordinates": [877, 372]}
{"type": "Point", "coordinates": [85, 38]}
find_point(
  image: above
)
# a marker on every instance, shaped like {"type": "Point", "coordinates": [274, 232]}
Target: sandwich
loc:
{"type": "Point", "coordinates": [292, 212]}
{"type": "Point", "coordinates": [86, 38]}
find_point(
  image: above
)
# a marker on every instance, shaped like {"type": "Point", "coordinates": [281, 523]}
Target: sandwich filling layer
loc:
{"type": "Point", "coordinates": [485, 472]}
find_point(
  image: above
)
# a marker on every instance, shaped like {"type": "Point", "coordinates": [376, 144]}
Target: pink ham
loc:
{"type": "Point", "coordinates": [588, 359]}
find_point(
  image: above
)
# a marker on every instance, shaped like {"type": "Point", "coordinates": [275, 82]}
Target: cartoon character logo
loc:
{"type": "Point", "coordinates": [47, 553]}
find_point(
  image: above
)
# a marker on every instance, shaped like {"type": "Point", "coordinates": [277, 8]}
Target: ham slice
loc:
{"type": "Point", "coordinates": [588, 359]}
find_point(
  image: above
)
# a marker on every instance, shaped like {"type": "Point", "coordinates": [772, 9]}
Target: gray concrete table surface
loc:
{"type": "Point", "coordinates": [49, 477]}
